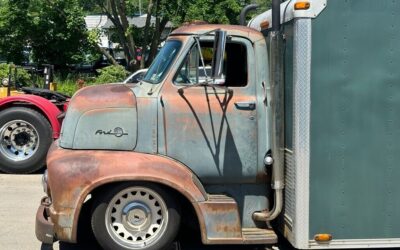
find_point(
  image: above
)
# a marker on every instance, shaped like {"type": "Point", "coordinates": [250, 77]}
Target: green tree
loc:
{"type": "Point", "coordinates": [164, 11]}
{"type": "Point", "coordinates": [15, 21]}
{"type": "Point", "coordinates": [117, 12]}
{"type": "Point", "coordinates": [58, 35]}
{"type": "Point", "coordinates": [53, 30]}
{"type": "Point", "coordinates": [216, 11]}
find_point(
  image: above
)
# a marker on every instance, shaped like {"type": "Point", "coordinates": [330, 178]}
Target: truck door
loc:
{"type": "Point", "coordinates": [213, 129]}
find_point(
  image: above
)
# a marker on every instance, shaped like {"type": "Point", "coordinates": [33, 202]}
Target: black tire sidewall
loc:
{"type": "Point", "coordinates": [44, 130]}
{"type": "Point", "coordinates": [99, 225]}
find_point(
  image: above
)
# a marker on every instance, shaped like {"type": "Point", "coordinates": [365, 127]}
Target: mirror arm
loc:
{"type": "Point", "coordinates": [218, 57]}
{"type": "Point", "coordinates": [201, 57]}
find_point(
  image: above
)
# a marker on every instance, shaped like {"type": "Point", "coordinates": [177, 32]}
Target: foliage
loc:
{"type": "Point", "coordinates": [211, 11]}
{"type": "Point", "coordinates": [14, 24]}
{"type": "Point", "coordinates": [70, 83]}
{"type": "Point", "coordinates": [67, 87]}
{"type": "Point", "coordinates": [112, 74]}
{"type": "Point", "coordinates": [23, 77]}
{"type": "Point", "coordinates": [59, 33]}
{"type": "Point", "coordinates": [46, 31]}
{"type": "Point", "coordinates": [54, 30]}
{"type": "Point", "coordinates": [220, 11]}
{"type": "Point", "coordinates": [263, 5]}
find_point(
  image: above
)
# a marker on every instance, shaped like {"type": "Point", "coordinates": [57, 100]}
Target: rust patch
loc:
{"type": "Point", "coordinates": [73, 174]}
{"type": "Point", "coordinates": [220, 221]}
{"type": "Point", "coordinates": [108, 95]}
{"type": "Point", "coordinates": [233, 30]}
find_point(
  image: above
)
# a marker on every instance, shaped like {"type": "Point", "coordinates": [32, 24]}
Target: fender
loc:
{"type": "Point", "coordinates": [48, 108]}
{"type": "Point", "coordinates": [73, 174]}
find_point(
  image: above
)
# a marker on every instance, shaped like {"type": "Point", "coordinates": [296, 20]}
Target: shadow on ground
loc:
{"type": "Point", "coordinates": [187, 240]}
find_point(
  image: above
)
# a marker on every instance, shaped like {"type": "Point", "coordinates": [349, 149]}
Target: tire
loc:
{"type": "Point", "coordinates": [138, 216]}
{"type": "Point", "coordinates": [25, 137]}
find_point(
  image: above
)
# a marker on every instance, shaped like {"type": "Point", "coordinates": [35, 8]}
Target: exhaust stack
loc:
{"type": "Point", "coordinates": [245, 11]}
{"type": "Point", "coordinates": [277, 108]}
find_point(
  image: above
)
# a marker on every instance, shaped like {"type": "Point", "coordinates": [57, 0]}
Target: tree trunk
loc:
{"type": "Point", "coordinates": [121, 7]}
{"type": "Point", "coordinates": [146, 32]}
{"type": "Point", "coordinates": [120, 28]}
{"type": "Point", "coordinates": [160, 26]}
{"type": "Point", "coordinates": [106, 54]}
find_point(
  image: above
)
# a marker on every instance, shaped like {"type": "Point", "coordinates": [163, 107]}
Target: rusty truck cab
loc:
{"type": "Point", "coordinates": [177, 136]}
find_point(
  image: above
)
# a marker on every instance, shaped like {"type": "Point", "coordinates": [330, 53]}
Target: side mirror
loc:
{"type": "Point", "coordinates": [218, 57]}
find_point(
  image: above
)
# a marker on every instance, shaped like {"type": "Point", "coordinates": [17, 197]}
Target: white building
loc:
{"type": "Point", "coordinates": [98, 22]}
{"type": "Point", "coordinates": [103, 23]}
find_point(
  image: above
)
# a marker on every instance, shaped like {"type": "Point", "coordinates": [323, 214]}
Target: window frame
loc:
{"type": "Point", "coordinates": [238, 40]}
{"type": "Point", "coordinates": [167, 69]}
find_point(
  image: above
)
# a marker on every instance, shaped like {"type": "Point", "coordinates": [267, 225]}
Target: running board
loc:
{"type": "Point", "coordinates": [259, 236]}
{"type": "Point", "coordinates": [221, 224]}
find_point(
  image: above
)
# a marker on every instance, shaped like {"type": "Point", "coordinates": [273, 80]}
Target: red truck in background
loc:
{"type": "Point", "coordinates": [30, 119]}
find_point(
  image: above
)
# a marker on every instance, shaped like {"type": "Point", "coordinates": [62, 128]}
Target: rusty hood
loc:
{"type": "Point", "coordinates": [101, 117]}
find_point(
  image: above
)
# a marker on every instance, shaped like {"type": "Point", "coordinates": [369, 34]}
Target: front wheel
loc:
{"type": "Point", "coordinates": [25, 137]}
{"type": "Point", "coordinates": [142, 216]}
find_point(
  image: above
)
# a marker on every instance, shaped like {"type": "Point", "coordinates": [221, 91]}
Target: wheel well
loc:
{"type": "Point", "coordinates": [26, 105]}
{"type": "Point", "coordinates": [188, 212]}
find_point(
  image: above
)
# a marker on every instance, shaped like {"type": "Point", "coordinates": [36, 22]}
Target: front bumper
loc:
{"type": "Point", "coordinates": [44, 227]}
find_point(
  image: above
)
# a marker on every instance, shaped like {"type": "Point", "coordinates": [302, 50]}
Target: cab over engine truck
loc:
{"type": "Point", "coordinates": [296, 130]}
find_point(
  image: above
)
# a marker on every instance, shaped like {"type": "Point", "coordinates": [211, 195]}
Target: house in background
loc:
{"type": "Point", "coordinates": [140, 22]}
{"type": "Point", "coordinates": [105, 25]}
{"type": "Point", "coordinates": [97, 22]}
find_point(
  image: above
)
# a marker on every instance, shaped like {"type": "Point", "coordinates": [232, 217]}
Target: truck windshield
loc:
{"type": "Point", "coordinates": [163, 61]}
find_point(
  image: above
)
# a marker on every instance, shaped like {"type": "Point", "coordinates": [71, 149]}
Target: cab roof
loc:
{"type": "Point", "coordinates": [232, 30]}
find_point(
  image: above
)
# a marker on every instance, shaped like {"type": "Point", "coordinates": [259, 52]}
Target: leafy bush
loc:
{"type": "Point", "coordinates": [112, 74]}
{"type": "Point", "coordinates": [67, 87]}
{"type": "Point", "coordinates": [23, 77]}
{"type": "Point", "coordinates": [72, 82]}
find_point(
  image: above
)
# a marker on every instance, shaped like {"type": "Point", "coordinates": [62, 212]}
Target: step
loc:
{"type": "Point", "coordinates": [219, 198]}
{"type": "Point", "coordinates": [222, 224]}
{"type": "Point", "coordinates": [259, 236]}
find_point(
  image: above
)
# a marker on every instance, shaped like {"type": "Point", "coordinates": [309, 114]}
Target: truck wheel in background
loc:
{"type": "Point", "coordinates": [25, 137]}
{"type": "Point", "coordinates": [143, 216]}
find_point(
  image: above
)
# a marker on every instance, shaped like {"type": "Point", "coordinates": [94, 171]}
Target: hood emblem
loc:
{"type": "Point", "coordinates": [117, 132]}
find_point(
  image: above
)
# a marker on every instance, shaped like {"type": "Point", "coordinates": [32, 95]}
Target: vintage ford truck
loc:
{"type": "Point", "coordinates": [295, 130]}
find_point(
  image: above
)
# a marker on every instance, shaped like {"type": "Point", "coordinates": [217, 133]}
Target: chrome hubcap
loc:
{"type": "Point", "coordinates": [136, 217]}
{"type": "Point", "coordinates": [19, 140]}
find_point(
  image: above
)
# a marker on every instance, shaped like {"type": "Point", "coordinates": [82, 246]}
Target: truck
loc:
{"type": "Point", "coordinates": [30, 119]}
{"type": "Point", "coordinates": [295, 131]}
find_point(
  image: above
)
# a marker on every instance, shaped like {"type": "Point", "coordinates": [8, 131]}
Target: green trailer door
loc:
{"type": "Point", "coordinates": [355, 120]}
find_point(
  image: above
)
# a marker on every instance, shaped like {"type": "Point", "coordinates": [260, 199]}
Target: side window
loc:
{"type": "Point", "coordinates": [189, 73]}
{"type": "Point", "coordinates": [136, 78]}
{"type": "Point", "coordinates": [235, 65]}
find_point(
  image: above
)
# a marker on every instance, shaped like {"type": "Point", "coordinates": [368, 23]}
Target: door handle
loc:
{"type": "Point", "coordinates": [246, 105]}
